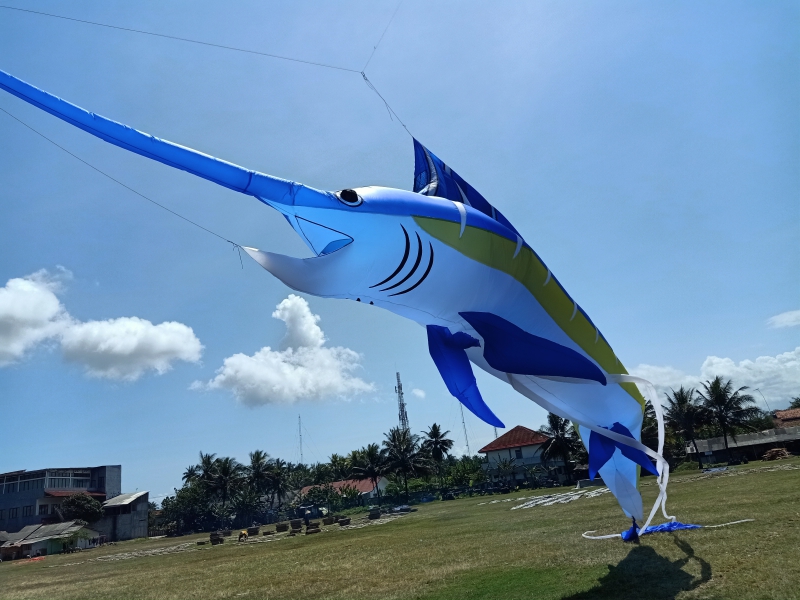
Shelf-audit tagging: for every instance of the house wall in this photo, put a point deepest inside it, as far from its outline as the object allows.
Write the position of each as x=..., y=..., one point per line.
x=530, y=456
x=131, y=523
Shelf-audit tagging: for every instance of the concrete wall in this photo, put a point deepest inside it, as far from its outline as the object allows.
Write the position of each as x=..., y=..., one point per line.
x=128, y=524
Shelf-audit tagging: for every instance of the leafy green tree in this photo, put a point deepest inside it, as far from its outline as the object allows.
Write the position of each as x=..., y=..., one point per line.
x=561, y=443
x=403, y=456
x=795, y=403
x=370, y=464
x=246, y=504
x=81, y=506
x=729, y=408
x=685, y=415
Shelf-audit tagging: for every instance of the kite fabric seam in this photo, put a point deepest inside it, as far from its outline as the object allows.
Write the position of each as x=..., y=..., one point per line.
x=127, y=187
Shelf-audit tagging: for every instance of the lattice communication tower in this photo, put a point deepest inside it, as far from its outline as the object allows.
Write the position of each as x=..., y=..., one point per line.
x=401, y=405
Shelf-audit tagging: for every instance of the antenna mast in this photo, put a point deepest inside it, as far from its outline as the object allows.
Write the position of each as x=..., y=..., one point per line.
x=401, y=405
x=464, y=425
x=300, y=431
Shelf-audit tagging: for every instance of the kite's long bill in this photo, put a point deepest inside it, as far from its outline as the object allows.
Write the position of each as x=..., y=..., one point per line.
x=262, y=186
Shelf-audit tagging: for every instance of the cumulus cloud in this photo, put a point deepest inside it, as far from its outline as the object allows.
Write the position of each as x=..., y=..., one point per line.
x=418, y=392
x=788, y=319
x=30, y=312
x=304, y=369
x=777, y=377
x=125, y=348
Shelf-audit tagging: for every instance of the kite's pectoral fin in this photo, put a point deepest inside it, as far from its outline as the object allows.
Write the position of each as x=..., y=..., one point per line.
x=447, y=352
x=309, y=275
x=510, y=349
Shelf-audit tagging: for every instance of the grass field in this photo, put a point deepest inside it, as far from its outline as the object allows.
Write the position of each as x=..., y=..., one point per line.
x=467, y=550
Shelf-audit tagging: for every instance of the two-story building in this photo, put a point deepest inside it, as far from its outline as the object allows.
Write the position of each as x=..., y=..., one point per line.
x=33, y=497
x=520, y=450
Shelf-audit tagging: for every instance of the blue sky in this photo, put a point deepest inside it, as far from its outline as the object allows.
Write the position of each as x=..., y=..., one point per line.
x=648, y=152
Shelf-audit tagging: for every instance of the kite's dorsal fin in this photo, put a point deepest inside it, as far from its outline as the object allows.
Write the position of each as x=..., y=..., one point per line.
x=510, y=349
x=447, y=352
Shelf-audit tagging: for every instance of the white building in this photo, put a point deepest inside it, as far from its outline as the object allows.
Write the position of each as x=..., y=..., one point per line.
x=523, y=448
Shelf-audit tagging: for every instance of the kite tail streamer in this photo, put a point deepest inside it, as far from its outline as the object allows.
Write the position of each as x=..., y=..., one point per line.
x=664, y=527
x=662, y=466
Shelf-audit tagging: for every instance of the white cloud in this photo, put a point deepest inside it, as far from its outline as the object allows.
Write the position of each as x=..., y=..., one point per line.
x=777, y=377
x=787, y=319
x=30, y=313
x=418, y=392
x=127, y=347
x=305, y=369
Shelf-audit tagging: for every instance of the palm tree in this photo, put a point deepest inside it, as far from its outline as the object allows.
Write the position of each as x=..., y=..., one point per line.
x=403, y=456
x=228, y=476
x=259, y=472
x=279, y=481
x=207, y=467
x=685, y=415
x=506, y=468
x=191, y=474
x=340, y=466
x=369, y=464
x=561, y=442
x=438, y=446
x=728, y=407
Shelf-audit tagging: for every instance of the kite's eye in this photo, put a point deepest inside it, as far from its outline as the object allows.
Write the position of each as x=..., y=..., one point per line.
x=350, y=197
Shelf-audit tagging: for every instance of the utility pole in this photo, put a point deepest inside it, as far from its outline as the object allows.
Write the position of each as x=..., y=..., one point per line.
x=495, y=433
x=300, y=431
x=464, y=425
x=401, y=405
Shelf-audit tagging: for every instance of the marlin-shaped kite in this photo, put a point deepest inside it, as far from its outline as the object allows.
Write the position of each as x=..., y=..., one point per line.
x=444, y=257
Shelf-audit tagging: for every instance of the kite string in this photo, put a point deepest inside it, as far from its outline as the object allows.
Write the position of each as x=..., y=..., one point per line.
x=127, y=187
x=375, y=47
x=182, y=39
x=362, y=72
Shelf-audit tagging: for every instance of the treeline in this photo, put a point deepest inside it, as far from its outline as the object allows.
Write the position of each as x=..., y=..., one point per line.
x=221, y=492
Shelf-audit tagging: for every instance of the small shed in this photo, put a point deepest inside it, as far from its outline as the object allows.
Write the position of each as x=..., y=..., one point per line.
x=41, y=540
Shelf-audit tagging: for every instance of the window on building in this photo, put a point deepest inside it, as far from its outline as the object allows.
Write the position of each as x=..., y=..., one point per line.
x=518, y=452
x=11, y=487
x=13, y=513
x=80, y=483
x=44, y=509
x=2, y=515
x=59, y=482
x=101, y=483
x=27, y=511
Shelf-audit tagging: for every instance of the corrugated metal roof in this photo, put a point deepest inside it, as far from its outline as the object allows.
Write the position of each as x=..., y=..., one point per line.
x=124, y=499
x=39, y=533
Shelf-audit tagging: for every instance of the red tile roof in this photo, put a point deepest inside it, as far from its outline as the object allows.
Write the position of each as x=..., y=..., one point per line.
x=364, y=486
x=516, y=437
x=788, y=415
